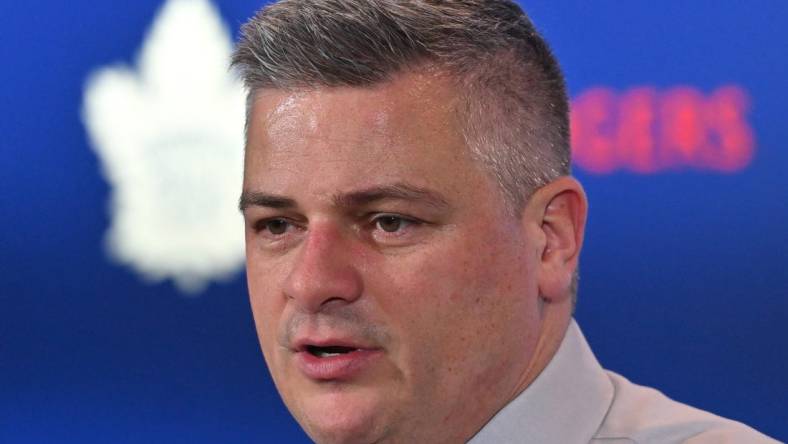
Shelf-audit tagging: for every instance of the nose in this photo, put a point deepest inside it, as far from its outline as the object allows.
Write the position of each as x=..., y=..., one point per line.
x=323, y=271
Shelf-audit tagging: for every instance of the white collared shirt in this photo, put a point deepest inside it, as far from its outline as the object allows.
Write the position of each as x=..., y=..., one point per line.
x=574, y=400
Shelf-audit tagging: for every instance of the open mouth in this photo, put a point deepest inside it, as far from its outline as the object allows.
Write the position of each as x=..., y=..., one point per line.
x=329, y=351
x=339, y=361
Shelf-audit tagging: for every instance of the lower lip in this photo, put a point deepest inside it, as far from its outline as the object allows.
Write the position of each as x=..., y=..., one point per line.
x=335, y=368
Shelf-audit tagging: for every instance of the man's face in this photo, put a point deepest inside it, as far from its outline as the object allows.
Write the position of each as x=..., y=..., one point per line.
x=395, y=299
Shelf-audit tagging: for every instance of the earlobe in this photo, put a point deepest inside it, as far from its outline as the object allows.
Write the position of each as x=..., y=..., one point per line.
x=563, y=208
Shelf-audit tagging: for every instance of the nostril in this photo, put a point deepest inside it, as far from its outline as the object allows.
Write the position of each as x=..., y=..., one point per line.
x=332, y=301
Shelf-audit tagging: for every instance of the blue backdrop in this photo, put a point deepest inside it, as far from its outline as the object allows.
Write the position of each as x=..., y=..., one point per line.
x=683, y=284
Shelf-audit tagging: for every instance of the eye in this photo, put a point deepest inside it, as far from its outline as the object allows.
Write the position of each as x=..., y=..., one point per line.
x=276, y=227
x=392, y=223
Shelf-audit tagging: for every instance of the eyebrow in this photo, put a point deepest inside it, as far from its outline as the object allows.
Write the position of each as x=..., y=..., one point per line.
x=257, y=199
x=397, y=191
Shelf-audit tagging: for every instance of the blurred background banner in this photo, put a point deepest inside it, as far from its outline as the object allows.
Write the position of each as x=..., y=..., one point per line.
x=123, y=308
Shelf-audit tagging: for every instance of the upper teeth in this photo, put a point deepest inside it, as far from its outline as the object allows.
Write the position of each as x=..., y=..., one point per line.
x=323, y=354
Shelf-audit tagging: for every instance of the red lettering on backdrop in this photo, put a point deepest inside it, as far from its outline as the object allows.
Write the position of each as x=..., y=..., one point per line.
x=590, y=125
x=682, y=129
x=732, y=144
x=635, y=130
x=646, y=131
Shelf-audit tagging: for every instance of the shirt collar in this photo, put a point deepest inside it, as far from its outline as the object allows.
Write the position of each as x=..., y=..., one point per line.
x=566, y=402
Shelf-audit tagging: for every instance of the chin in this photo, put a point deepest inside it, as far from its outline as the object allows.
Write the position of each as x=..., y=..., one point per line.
x=341, y=416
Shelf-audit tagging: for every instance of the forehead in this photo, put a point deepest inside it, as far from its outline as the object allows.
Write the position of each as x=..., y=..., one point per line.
x=404, y=129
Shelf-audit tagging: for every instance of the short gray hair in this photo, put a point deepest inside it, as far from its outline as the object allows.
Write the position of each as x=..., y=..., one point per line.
x=515, y=106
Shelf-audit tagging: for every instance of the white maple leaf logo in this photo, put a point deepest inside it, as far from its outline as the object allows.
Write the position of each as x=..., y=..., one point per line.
x=169, y=137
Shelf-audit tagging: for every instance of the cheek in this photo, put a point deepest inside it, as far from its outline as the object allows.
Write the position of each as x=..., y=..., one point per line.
x=457, y=296
x=265, y=299
x=460, y=314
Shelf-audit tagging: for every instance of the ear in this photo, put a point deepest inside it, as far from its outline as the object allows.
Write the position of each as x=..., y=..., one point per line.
x=557, y=212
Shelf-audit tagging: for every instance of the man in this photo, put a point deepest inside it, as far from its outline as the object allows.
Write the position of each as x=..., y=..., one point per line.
x=413, y=232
